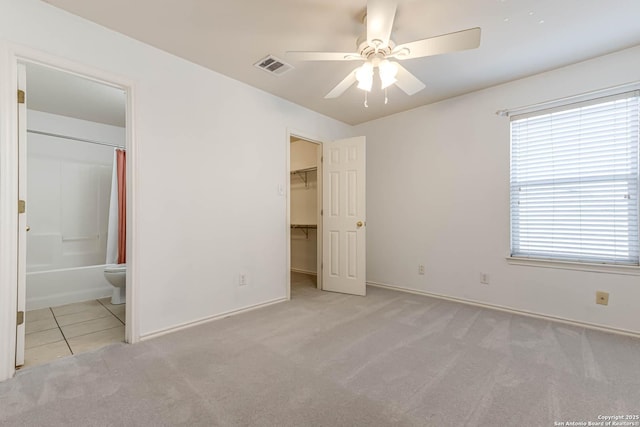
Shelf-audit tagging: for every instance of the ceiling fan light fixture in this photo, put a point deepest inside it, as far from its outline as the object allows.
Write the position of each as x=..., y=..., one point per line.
x=388, y=71
x=364, y=76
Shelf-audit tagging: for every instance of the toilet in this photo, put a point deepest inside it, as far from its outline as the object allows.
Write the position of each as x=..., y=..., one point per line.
x=116, y=274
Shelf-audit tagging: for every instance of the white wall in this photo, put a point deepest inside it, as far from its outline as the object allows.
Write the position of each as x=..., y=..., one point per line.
x=68, y=188
x=304, y=206
x=211, y=157
x=438, y=195
x=304, y=154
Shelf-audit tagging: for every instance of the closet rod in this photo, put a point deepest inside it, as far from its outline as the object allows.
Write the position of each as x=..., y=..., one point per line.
x=73, y=138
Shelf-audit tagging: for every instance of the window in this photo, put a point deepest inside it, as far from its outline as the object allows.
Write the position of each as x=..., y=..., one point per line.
x=574, y=182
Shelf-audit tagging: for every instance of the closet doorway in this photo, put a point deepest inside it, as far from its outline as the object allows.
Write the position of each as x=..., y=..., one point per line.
x=327, y=215
x=72, y=186
x=305, y=206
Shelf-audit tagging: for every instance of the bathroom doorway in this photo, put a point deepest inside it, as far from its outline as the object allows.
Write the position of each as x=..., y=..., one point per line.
x=72, y=157
x=305, y=205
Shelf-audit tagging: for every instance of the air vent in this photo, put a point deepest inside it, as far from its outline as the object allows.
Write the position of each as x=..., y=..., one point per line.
x=273, y=65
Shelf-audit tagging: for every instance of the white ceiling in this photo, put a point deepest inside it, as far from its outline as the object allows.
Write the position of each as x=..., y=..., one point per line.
x=57, y=92
x=519, y=38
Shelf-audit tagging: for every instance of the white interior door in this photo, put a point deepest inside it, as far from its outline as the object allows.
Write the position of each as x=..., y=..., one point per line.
x=22, y=215
x=344, y=216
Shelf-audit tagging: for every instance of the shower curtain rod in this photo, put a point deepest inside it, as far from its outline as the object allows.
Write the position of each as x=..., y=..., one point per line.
x=73, y=138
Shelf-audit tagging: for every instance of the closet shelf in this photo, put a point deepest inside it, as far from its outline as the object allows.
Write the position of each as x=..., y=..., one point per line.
x=302, y=173
x=305, y=228
x=314, y=168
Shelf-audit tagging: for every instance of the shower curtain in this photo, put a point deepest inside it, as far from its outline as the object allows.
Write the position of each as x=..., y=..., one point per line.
x=117, y=228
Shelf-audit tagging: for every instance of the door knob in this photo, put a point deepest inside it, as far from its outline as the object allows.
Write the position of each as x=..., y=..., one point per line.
x=359, y=224
x=28, y=228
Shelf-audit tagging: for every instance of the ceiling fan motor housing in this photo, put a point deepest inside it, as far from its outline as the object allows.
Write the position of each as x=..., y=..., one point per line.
x=370, y=52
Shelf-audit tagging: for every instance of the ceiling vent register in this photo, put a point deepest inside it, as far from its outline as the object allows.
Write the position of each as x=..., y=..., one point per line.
x=273, y=65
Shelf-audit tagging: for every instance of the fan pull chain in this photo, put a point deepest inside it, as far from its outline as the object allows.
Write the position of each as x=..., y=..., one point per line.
x=386, y=99
x=366, y=104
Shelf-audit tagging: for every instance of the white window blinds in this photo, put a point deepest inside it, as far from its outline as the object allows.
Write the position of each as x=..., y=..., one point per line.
x=574, y=182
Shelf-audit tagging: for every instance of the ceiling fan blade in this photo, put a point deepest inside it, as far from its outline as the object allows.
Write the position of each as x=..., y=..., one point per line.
x=342, y=86
x=323, y=56
x=452, y=42
x=380, y=16
x=407, y=81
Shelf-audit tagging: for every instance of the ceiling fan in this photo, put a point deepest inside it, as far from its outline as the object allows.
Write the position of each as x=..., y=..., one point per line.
x=376, y=49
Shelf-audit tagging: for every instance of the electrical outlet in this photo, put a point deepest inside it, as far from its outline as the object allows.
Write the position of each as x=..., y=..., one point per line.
x=421, y=269
x=602, y=298
x=484, y=278
x=243, y=279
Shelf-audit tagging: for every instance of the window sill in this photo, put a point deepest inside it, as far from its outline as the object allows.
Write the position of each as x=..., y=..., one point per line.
x=629, y=270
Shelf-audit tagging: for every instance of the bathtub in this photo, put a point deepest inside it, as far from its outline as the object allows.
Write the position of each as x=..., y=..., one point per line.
x=51, y=288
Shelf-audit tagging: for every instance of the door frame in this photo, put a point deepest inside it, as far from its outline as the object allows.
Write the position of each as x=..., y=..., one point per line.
x=9, y=189
x=303, y=135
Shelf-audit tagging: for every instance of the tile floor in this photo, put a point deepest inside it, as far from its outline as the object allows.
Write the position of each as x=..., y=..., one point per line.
x=61, y=331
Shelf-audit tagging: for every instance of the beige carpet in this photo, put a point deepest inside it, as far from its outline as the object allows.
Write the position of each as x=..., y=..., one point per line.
x=328, y=359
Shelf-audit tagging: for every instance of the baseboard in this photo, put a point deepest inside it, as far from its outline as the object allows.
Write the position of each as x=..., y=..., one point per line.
x=511, y=310
x=298, y=270
x=186, y=325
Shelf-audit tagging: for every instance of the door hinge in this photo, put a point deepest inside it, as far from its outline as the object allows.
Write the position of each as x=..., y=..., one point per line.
x=20, y=318
x=321, y=159
x=321, y=212
x=22, y=206
x=20, y=96
x=321, y=266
